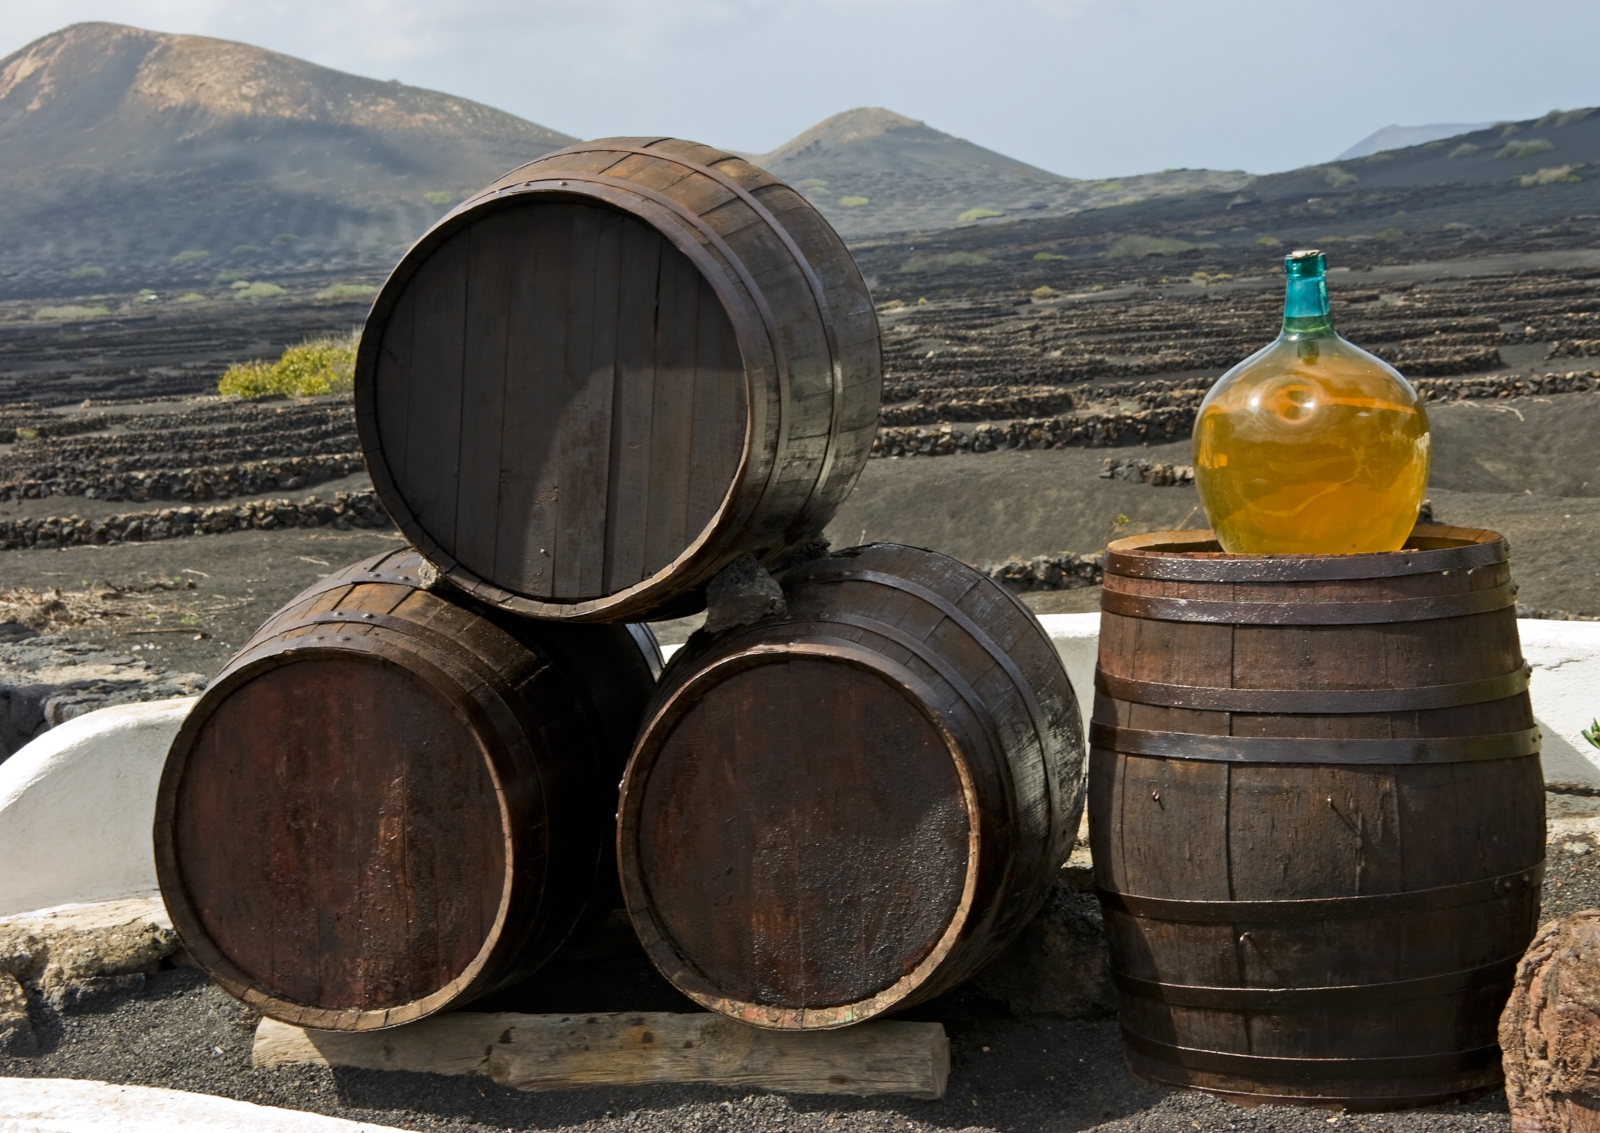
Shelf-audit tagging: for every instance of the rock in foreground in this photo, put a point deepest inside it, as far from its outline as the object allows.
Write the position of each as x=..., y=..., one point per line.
x=1550, y=1031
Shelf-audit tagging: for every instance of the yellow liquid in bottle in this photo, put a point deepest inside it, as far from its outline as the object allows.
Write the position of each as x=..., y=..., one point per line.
x=1311, y=446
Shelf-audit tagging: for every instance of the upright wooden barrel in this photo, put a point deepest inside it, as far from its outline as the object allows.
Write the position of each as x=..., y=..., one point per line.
x=852, y=808
x=390, y=802
x=1317, y=815
x=613, y=371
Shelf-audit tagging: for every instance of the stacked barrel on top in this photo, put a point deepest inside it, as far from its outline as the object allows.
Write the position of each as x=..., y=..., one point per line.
x=583, y=394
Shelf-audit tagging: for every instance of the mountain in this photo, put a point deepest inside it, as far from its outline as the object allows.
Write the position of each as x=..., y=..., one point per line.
x=150, y=157
x=872, y=171
x=1399, y=137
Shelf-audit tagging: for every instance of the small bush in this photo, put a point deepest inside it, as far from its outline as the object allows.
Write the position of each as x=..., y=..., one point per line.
x=256, y=290
x=224, y=278
x=1268, y=242
x=1389, y=235
x=1525, y=149
x=1136, y=246
x=89, y=271
x=1043, y=291
x=346, y=292
x=285, y=239
x=1048, y=256
x=1109, y=187
x=812, y=184
x=977, y=214
x=854, y=202
x=1465, y=149
x=438, y=197
x=1338, y=178
x=1550, y=176
x=894, y=304
x=191, y=297
x=315, y=367
x=245, y=250
x=936, y=262
x=70, y=312
x=190, y=255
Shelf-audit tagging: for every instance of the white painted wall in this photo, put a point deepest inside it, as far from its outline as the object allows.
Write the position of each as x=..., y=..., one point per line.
x=77, y=804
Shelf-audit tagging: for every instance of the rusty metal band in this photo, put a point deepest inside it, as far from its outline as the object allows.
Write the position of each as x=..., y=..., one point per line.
x=1259, y=1066
x=1180, y=567
x=1291, y=702
x=1343, y=998
x=1308, y=613
x=1294, y=749
x=1523, y=881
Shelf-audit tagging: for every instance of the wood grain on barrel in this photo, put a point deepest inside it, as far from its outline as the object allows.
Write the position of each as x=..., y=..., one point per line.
x=1198, y=985
x=851, y=809
x=392, y=801
x=657, y=358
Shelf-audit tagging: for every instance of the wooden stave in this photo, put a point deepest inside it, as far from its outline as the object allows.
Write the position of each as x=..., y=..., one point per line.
x=781, y=497
x=502, y=673
x=1505, y=920
x=1011, y=876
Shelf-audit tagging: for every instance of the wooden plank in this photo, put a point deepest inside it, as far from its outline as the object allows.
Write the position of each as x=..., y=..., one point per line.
x=563, y=1052
x=492, y=262
x=433, y=390
x=719, y=413
x=632, y=407
x=672, y=417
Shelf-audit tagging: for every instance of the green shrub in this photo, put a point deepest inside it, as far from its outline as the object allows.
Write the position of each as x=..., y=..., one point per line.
x=1550, y=176
x=346, y=292
x=1268, y=242
x=316, y=366
x=1338, y=178
x=1136, y=246
x=936, y=261
x=1525, y=149
x=70, y=312
x=1465, y=149
x=223, y=278
x=1048, y=256
x=1043, y=291
x=439, y=197
x=89, y=271
x=284, y=239
x=977, y=214
x=1592, y=733
x=1389, y=235
x=854, y=202
x=894, y=304
x=245, y=250
x=812, y=184
x=190, y=255
x=242, y=290
x=1109, y=187
x=191, y=297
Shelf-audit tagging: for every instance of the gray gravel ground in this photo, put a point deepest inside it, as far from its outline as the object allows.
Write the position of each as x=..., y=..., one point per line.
x=1008, y=1075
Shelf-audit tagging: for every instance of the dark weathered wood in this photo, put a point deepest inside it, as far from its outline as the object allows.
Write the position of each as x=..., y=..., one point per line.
x=852, y=808
x=1318, y=838
x=393, y=800
x=612, y=372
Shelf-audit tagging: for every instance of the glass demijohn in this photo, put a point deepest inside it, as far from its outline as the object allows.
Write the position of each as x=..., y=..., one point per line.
x=1311, y=445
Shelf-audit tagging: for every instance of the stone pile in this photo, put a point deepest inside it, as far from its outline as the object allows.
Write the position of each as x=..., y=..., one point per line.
x=1090, y=430
x=219, y=481
x=1065, y=571
x=1146, y=472
x=344, y=511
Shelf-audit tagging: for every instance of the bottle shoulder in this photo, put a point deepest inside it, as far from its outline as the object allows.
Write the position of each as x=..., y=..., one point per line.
x=1328, y=363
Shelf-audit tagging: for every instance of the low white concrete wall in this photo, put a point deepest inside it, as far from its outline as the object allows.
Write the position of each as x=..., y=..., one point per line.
x=77, y=805
x=66, y=1105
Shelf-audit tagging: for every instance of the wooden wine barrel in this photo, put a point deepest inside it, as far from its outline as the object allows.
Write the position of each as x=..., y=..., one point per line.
x=1317, y=815
x=390, y=802
x=852, y=808
x=612, y=372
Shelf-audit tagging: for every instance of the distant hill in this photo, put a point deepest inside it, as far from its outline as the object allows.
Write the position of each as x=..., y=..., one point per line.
x=873, y=171
x=154, y=157
x=1399, y=137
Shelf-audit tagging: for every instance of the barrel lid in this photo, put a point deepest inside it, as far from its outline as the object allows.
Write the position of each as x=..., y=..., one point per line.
x=1196, y=556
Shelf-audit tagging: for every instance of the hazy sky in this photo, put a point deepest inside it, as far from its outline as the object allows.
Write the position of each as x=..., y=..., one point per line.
x=1088, y=88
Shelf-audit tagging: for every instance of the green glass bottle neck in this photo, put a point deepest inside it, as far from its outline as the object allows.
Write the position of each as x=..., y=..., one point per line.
x=1305, y=307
